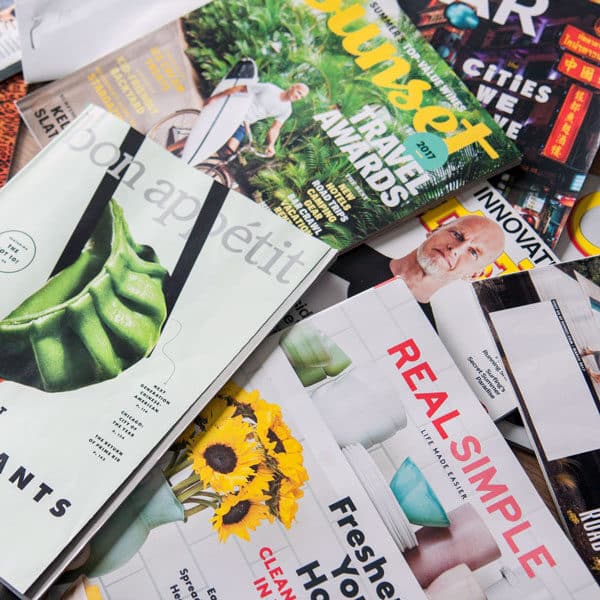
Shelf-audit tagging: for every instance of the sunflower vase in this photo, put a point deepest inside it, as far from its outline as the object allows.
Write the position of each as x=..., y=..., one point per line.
x=151, y=504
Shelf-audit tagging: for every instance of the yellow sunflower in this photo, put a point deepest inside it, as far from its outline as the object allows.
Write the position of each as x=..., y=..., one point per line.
x=222, y=456
x=277, y=439
x=259, y=483
x=249, y=402
x=187, y=433
x=287, y=502
x=217, y=411
x=291, y=466
x=240, y=513
x=273, y=433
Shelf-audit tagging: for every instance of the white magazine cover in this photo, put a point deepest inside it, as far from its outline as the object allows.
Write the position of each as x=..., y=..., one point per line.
x=133, y=286
x=475, y=236
x=49, y=31
x=347, y=458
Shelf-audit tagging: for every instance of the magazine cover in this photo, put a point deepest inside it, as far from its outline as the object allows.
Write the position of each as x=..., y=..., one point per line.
x=10, y=49
x=547, y=323
x=474, y=235
x=10, y=90
x=536, y=67
x=339, y=117
x=121, y=271
x=347, y=458
x=581, y=237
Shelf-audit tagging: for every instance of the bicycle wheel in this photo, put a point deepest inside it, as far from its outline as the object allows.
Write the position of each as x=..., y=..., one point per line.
x=217, y=171
x=172, y=130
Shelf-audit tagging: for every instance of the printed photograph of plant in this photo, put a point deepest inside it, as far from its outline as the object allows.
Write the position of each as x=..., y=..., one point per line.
x=246, y=466
x=93, y=319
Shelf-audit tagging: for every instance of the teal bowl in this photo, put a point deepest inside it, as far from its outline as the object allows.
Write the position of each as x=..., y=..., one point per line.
x=416, y=497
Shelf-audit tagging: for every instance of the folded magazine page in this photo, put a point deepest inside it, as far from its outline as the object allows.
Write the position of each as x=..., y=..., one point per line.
x=547, y=325
x=10, y=48
x=50, y=30
x=462, y=321
x=339, y=117
x=535, y=66
x=347, y=458
x=132, y=287
x=475, y=234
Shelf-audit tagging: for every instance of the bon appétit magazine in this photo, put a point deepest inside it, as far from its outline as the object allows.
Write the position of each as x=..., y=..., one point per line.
x=132, y=287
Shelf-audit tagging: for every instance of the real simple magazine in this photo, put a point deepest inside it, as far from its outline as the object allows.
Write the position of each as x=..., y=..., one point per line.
x=133, y=286
x=346, y=458
x=337, y=116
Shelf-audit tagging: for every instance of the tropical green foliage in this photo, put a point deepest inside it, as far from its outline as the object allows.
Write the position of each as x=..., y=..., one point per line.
x=291, y=43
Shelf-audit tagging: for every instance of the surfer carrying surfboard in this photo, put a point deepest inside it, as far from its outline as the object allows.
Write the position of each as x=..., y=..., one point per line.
x=268, y=101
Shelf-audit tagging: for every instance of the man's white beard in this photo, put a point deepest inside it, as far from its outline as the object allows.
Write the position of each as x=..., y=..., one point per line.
x=431, y=266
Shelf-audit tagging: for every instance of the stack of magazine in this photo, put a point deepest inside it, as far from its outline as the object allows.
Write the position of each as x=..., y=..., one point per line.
x=262, y=306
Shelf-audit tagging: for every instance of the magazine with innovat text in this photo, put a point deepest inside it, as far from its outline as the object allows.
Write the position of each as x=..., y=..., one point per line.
x=474, y=235
x=122, y=273
x=346, y=458
x=336, y=116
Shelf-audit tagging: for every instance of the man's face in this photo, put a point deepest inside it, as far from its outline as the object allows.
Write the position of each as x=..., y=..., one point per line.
x=297, y=91
x=461, y=249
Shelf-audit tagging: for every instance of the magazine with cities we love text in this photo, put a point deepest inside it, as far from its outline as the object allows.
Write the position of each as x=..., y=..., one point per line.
x=132, y=287
x=535, y=66
x=347, y=458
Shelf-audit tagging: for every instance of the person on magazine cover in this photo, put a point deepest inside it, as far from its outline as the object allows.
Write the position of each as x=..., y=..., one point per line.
x=268, y=102
x=7, y=11
x=460, y=249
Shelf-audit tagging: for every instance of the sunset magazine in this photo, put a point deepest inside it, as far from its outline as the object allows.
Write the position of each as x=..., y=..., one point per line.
x=132, y=287
x=347, y=458
x=337, y=116
x=535, y=66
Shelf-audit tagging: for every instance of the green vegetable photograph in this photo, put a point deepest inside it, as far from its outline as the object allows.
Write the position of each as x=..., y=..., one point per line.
x=93, y=319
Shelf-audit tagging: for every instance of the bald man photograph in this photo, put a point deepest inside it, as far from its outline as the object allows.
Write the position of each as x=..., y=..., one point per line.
x=460, y=249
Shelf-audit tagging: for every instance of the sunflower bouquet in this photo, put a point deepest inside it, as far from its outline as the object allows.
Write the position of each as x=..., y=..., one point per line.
x=246, y=466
